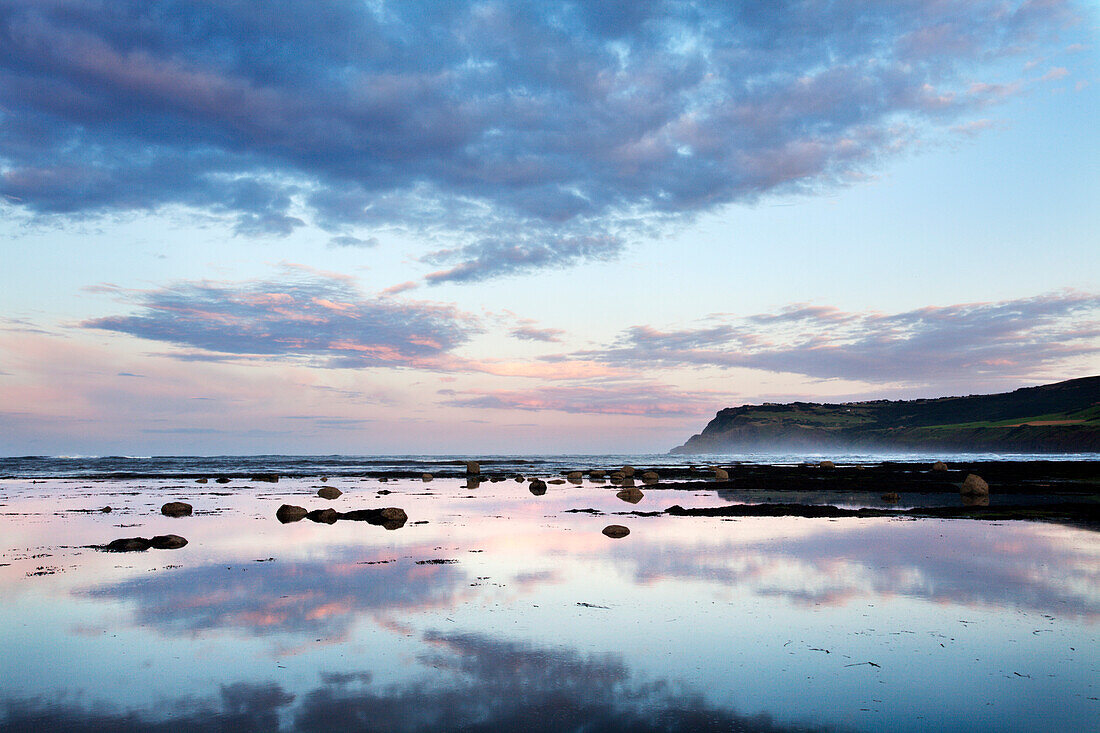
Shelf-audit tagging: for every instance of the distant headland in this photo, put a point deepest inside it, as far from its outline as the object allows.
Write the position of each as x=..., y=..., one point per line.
x=1054, y=418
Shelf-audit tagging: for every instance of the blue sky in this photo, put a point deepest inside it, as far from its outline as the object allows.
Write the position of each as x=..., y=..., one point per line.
x=501, y=227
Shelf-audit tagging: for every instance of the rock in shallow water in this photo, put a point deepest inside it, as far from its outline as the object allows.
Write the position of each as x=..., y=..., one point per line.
x=324, y=516
x=167, y=542
x=329, y=492
x=631, y=495
x=615, y=531
x=289, y=513
x=974, y=485
x=176, y=509
x=140, y=544
x=537, y=487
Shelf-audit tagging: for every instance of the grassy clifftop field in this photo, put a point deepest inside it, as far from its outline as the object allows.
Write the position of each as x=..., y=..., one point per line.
x=1056, y=418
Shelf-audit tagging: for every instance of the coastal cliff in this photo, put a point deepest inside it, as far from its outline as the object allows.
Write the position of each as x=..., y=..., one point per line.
x=1054, y=418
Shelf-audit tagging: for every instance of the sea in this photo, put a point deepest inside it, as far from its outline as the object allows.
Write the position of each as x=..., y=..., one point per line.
x=137, y=467
x=515, y=606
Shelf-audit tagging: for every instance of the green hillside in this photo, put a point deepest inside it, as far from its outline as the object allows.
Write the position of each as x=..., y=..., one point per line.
x=1062, y=417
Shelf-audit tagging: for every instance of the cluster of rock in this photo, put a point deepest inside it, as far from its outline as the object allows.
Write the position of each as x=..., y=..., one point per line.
x=388, y=518
x=141, y=544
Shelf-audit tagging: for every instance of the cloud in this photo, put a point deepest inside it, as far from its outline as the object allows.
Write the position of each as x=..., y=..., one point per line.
x=530, y=134
x=1011, y=339
x=643, y=399
x=528, y=331
x=306, y=315
x=345, y=240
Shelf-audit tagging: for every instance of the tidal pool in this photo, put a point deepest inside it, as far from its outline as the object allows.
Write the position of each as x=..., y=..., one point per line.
x=493, y=609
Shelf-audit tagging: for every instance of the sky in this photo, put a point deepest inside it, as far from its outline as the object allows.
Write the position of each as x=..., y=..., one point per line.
x=362, y=226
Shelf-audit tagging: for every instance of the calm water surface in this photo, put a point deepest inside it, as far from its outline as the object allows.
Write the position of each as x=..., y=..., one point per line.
x=530, y=618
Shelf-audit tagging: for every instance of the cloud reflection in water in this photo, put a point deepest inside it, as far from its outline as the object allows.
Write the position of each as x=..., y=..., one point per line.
x=1040, y=567
x=301, y=597
x=493, y=685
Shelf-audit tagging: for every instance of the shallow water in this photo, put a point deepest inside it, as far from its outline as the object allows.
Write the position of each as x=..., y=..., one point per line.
x=534, y=619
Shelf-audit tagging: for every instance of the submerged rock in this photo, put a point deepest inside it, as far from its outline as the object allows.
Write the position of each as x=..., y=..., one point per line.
x=329, y=492
x=721, y=474
x=650, y=477
x=537, y=487
x=176, y=509
x=631, y=495
x=596, y=475
x=271, y=478
x=472, y=482
x=893, y=497
x=222, y=479
x=289, y=513
x=974, y=485
x=615, y=531
x=556, y=481
x=200, y=481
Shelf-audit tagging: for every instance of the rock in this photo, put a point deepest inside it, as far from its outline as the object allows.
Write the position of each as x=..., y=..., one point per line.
x=974, y=485
x=384, y=479
x=222, y=479
x=556, y=481
x=106, y=510
x=893, y=497
x=631, y=495
x=176, y=509
x=323, y=516
x=537, y=487
x=574, y=475
x=496, y=479
x=827, y=464
x=519, y=478
x=628, y=470
x=615, y=531
x=200, y=481
x=383, y=492
x=271, y=478
x=388, y=518
x=472, y=482
x=628, y=481
x=596, y=475
x=140, y=544
x=721, y=474
x=426, y=477
x=329, y=492
x=393, y=514
x=473, y=468
x=650, y=477
x=167, y=542
x=289, y=513
x=616, y=477
x=974, y=500
x=324, y=479
x=129, y=544
x=939, y=466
